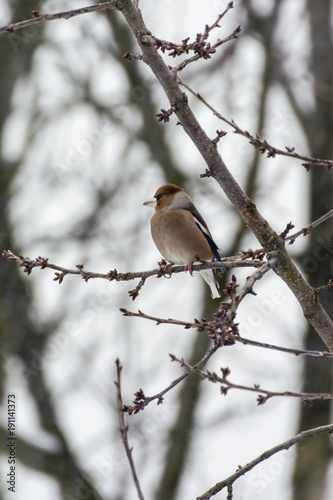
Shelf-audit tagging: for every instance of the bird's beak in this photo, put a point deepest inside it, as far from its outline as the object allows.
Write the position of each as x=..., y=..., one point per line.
x=151, y=203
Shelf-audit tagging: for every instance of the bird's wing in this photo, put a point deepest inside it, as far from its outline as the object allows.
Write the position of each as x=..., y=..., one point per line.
x=204, y=229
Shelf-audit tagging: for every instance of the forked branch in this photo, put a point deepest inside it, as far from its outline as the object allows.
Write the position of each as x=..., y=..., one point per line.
x=306, y=295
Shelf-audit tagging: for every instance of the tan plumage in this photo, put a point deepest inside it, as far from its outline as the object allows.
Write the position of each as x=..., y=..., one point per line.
x=180, y=233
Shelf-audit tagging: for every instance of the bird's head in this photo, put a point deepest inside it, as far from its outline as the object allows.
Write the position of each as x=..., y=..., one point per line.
x=166, y=195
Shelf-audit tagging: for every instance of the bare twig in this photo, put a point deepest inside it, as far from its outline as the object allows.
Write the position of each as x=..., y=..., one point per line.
x=325, y=288
x=222, y=326
x=202, y=324
x=124, y=430
x=257, y=142
x=141, y=401
x=244, y=259
x=186, y=324
x=257, y=275
x=201, y=47
x=226, y=483
x=287, y=350
x=219, y=330
x=208, y=29
x=211, y=50
x=306, y=230
x=264, y=394
x=41, y=18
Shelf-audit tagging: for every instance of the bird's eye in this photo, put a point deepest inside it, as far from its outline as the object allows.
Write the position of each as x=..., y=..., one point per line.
x=159, y=196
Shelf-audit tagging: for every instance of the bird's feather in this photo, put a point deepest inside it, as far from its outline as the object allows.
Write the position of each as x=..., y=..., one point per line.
x=180, y=232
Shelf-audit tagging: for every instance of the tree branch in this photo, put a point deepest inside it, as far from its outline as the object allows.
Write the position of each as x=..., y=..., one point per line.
x=264, y=394
x=201, y=326
x=244, y=259
x=201, y=47
x=124, y=430
x=257, y=142
x=223, y=323
x=227, y=483
x=41, y=18
x=141, y=401
x=304, y=293
x=306, y=230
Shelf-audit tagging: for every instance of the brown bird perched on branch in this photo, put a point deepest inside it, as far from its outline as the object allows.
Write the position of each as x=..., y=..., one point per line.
x=181, y=234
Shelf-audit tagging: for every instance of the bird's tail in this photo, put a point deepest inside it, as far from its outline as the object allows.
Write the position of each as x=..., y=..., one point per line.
x=209, y=276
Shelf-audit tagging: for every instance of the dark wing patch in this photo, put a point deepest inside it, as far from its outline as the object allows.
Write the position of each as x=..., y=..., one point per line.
x=204, y=229
x=211, y=242
x=191, y=208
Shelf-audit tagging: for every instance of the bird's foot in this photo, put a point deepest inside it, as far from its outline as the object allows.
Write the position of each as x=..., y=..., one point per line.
x=164, y=265
x=189, y=268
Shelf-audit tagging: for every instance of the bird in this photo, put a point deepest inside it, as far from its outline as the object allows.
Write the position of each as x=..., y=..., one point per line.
x=180, y=233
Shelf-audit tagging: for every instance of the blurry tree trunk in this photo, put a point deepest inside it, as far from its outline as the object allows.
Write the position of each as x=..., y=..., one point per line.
x=15, y=56
x=152, y=133
x=21, y=337
x=313, y=458
x=181, y=432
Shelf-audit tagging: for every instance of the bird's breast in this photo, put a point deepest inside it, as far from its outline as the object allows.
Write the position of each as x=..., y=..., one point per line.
x=178, y=238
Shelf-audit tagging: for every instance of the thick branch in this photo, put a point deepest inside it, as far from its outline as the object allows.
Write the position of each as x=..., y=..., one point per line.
x=305, y=294
x=227, y=483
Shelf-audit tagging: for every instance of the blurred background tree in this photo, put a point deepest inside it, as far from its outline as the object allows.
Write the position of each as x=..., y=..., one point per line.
x=81, y=149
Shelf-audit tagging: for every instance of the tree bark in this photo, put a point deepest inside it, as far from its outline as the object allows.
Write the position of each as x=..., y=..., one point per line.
x=305, y=294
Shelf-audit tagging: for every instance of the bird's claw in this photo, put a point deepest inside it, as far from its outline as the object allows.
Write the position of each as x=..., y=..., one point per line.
x=164, y=267
x=189, y=268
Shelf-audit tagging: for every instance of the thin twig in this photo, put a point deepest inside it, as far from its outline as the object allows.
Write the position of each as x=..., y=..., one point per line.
x=212, y=50
x=257, y=275
x=201, y=325
x=306, y=230
x=288, y=350
x=325, y=288
x=264, y=394
x=226, y=483
x=219, y=330
x=141, y=401
x=124, y=430
x=201, y=47
x=223, y=325
x=261, y=144
x=41, y=18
